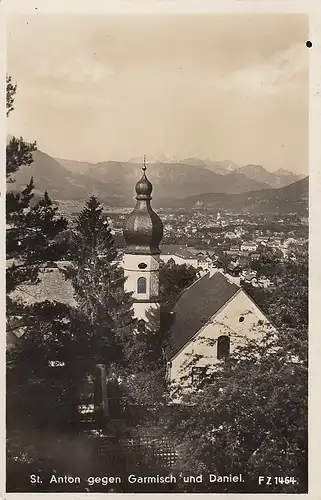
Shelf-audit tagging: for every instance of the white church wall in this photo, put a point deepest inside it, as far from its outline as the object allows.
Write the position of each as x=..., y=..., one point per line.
x=133, y=273
x=226, y=322
x=148, y=307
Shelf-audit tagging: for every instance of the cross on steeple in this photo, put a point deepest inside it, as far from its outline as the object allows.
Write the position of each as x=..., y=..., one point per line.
x=144, y=166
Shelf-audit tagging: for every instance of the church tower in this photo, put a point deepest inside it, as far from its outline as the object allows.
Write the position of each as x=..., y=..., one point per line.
x=143, y=232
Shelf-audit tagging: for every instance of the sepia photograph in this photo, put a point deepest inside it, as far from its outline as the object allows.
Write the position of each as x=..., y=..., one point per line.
x=157, y=236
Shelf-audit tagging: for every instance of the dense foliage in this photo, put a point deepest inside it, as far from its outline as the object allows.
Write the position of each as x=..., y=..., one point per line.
x=173, y=279
x=98, y=282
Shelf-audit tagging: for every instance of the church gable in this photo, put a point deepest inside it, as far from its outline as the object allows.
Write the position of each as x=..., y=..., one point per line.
x=238, y=319
x=196, y=306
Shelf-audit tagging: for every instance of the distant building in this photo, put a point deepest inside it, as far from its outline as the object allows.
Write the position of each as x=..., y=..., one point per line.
x=234, y=269
x=230, y=235
x=276, y=242
x=262, y=240
x=248, y=275
x=234, y=248
x=180, y=255
x=239, y=231
x=249, y=246
x=255, y=256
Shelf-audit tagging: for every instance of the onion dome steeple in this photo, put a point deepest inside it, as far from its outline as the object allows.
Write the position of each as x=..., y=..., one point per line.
x=143, y=229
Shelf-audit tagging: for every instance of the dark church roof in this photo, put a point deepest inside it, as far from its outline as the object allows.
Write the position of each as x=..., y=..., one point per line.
x=196, y=306
x=143, y=229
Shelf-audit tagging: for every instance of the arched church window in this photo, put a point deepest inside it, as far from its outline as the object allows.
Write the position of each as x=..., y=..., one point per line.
x=142, y=265
x=223, y=347
x=141, y=285
x=141, y=326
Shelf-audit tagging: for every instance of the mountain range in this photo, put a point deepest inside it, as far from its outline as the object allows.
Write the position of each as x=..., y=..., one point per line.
x=255, y=173
x=276, y=179
x=176, y=183
x=176, y=180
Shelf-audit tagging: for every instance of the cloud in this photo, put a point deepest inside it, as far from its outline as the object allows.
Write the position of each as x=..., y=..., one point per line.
x=54, y=97
x=122, y=85
x=79, y=69
x=281, y=72
x=55, y=51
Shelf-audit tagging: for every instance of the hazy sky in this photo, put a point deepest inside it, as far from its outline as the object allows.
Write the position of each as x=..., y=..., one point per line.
x=217, y=86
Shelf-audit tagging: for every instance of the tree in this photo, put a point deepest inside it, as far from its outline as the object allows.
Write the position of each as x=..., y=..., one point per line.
x=286, y=303
x=41, y=367
x=31, y=229
x=18, y=152
x=30, y=236
x=270, y=263
x=250, y=419
x=145, y=378
x=224, y=260
x=98, y=281
x=174, y=279
x=10, y=93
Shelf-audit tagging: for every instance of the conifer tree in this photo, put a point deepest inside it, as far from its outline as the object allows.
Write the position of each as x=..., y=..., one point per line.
x=98, y=282
x=10, y=93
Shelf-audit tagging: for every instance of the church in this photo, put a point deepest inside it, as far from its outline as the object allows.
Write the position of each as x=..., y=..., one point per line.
x=211, y=317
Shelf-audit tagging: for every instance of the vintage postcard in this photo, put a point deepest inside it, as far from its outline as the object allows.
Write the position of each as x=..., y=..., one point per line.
x=158, y=162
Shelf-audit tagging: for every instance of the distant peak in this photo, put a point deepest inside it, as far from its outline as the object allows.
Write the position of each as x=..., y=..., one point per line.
x=283, y=171
x=253, y=167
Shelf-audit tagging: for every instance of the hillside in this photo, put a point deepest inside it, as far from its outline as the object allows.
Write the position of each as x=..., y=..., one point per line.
x=60, y=183
x=288, y=199
x=78, y=167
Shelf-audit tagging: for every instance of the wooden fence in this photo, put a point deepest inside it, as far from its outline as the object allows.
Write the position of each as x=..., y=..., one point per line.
x=145, y=447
